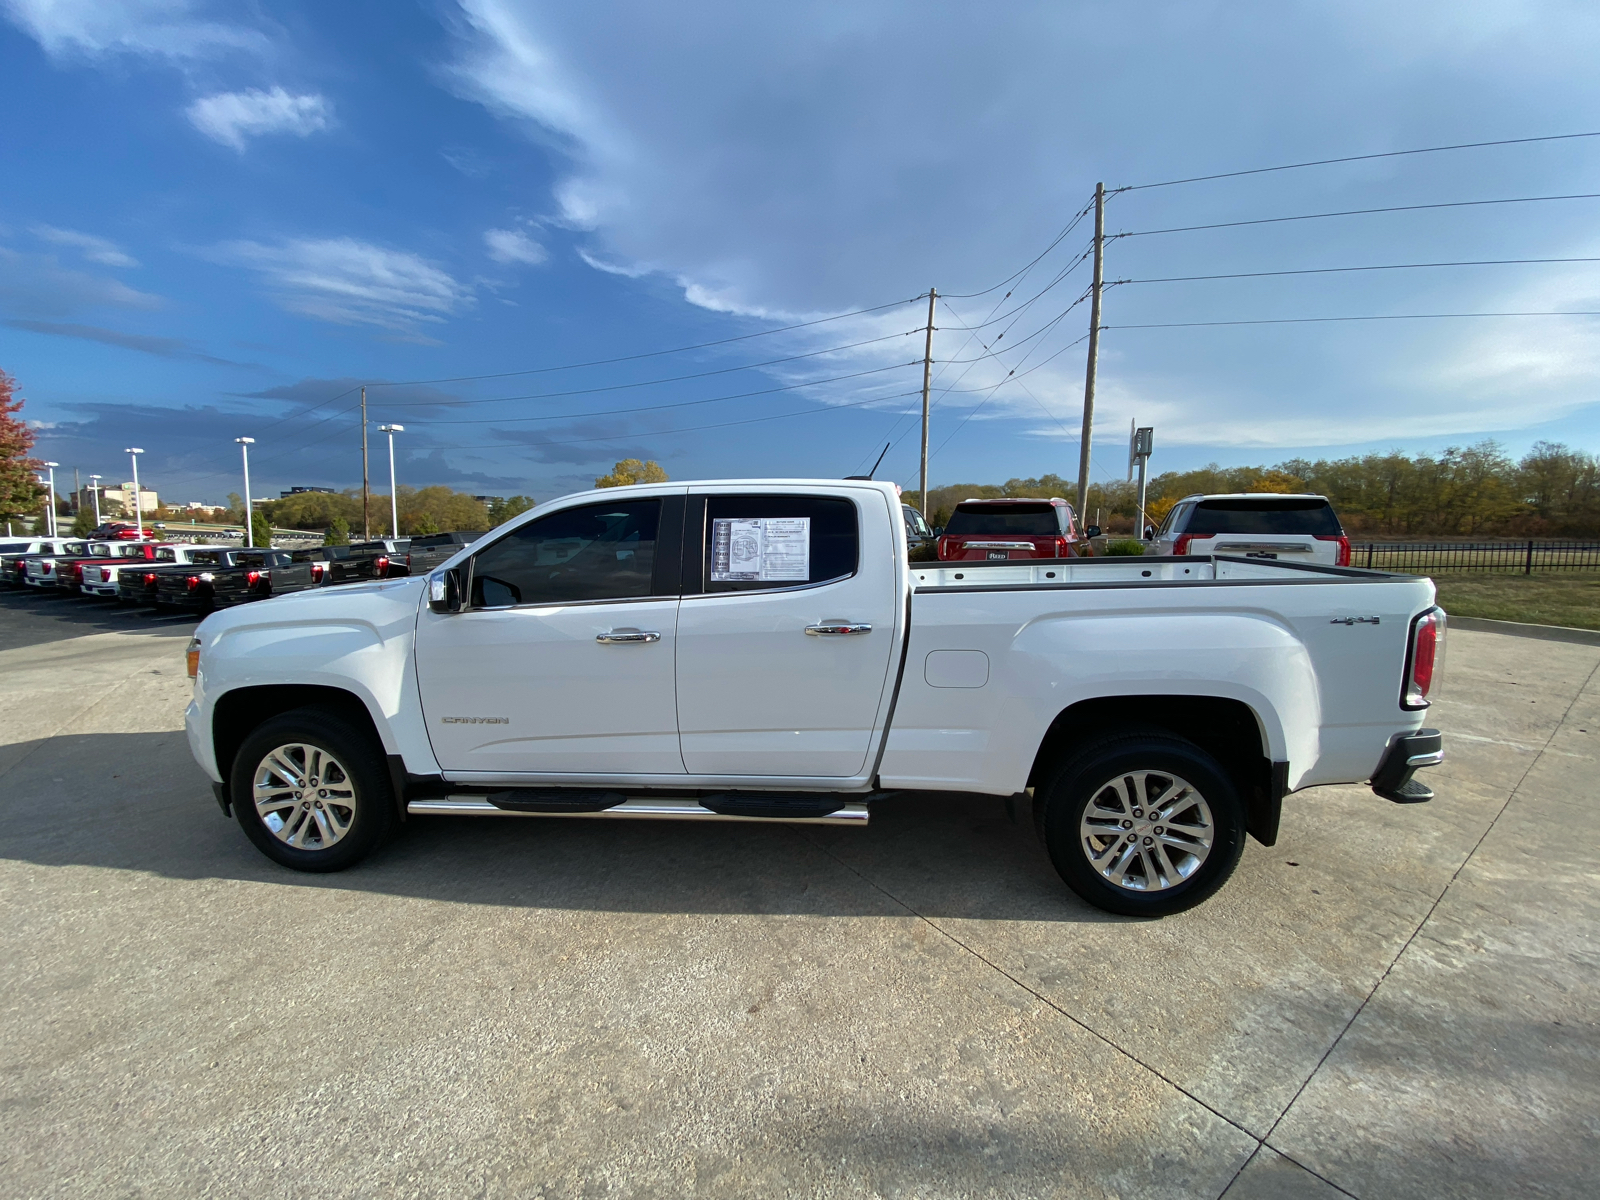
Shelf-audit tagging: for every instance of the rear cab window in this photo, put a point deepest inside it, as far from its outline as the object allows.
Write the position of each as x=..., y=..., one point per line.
x=1025, y=520
x=1264, y=515
x=766, y=542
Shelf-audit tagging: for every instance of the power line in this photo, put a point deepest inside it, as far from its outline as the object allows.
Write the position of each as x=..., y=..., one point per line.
x=618, y=387
x=687, y=429
x=1324, y=162
x=1320, y=320
x=676, y=404
x=1485, y=262
x=1056, y=241
x=601, y=362
x=1358, y=212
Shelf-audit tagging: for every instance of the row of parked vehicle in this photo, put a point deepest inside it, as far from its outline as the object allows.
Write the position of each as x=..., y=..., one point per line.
x=115, y=563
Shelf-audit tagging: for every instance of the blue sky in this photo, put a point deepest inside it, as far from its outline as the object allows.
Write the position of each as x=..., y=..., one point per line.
x=219, y=219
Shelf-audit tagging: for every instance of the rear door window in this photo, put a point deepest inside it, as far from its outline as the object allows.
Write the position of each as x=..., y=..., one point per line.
x=759, y=543
x=1027, y=520
x=596, y=552
x=1264, y=515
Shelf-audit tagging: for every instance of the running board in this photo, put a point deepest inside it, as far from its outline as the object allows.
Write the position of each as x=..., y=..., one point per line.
x=643, y=809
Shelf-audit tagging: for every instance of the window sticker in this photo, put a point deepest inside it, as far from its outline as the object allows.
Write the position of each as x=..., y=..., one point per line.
x=768, y=549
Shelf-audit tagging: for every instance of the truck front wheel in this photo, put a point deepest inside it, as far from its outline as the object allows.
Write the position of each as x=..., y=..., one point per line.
x=1143, y=824
x=310, y=790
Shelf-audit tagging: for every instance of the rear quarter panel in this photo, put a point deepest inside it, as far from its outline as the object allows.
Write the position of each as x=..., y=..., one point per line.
x=1326, y=696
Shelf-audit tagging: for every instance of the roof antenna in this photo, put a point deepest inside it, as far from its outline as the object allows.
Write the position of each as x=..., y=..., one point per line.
x=875, y=465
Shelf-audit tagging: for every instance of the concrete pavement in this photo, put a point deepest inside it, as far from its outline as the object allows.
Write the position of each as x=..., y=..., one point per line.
x=1392, y=1002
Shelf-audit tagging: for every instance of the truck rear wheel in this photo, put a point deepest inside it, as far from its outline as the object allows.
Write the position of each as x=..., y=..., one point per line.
x=310, y=790
x=1144, y=824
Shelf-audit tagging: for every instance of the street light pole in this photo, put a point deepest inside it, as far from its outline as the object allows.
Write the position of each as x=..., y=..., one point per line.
x=94, y=492
x=249, y=520
x=394, y=500
x=51, y=485
x=133, y=452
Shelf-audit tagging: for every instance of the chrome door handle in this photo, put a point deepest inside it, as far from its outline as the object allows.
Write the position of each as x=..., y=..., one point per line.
x=628, y=635
x=838, y=628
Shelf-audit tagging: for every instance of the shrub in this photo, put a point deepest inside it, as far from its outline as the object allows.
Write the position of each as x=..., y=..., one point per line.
x=1125, y=547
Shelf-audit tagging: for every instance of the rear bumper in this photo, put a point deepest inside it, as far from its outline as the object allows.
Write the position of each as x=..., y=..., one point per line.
x=1406, y=754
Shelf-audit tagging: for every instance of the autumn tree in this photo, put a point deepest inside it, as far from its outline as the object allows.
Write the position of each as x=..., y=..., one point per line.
x=631, y=470
x=19, y=482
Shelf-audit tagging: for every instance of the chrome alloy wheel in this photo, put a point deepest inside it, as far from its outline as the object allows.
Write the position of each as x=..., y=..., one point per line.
x=1147, y=831
x=304, y=796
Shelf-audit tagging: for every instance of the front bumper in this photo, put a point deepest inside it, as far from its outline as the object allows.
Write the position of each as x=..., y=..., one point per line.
x=1392, y=780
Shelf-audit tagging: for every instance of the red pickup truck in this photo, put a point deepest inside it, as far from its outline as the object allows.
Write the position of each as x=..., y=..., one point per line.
x=996, y=530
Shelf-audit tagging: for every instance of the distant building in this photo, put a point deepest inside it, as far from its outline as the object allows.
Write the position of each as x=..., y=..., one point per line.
x=115, y=501
x=296, y=491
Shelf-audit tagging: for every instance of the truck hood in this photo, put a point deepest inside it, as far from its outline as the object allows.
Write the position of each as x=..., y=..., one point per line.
x=345, y=602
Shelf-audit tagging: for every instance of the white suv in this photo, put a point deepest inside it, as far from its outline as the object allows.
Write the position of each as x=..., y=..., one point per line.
x=1255, y=525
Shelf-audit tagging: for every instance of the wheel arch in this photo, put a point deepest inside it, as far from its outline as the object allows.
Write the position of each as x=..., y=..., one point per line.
x=241, y=710
x=1229, y=730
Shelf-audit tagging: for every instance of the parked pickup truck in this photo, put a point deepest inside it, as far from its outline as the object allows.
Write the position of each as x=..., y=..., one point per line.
x=12, y=552
x=195, y=586
x=762, y=651
x=1302, y=529
x=429, y=550
x=139, y=586
x=280, y=574
x=71, y=573
x=39, y=570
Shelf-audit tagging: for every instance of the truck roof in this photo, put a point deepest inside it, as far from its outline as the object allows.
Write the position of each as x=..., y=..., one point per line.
x=1253, y=496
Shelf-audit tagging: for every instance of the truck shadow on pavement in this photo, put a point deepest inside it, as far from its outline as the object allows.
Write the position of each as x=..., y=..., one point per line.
x=137, y=802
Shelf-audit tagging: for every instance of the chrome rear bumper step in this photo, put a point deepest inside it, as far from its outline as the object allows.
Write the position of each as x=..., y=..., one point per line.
x=640, y=809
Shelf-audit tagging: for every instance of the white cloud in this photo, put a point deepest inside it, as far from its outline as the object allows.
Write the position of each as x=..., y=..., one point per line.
x=172, y=29
x=95, y=249
x=38, y=286
x=513, y=246
x=350, y=282
x=231, y=117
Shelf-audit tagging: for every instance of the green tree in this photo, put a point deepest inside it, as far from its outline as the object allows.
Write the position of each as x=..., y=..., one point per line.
x=260, y=529
x=423, y=524
x=83, y=523
x=338, y=533
x=503, y=508
x=19, y=485
x=631, y=470
x=441, y=509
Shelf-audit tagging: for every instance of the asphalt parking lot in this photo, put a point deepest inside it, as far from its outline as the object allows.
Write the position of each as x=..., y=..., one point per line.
x=1392, y=1002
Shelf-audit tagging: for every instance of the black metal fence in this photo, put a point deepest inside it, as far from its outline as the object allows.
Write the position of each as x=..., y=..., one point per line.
x=1500, y=558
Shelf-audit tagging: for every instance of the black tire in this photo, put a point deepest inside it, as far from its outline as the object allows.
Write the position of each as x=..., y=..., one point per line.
x=362, y=780
x=1140, y=883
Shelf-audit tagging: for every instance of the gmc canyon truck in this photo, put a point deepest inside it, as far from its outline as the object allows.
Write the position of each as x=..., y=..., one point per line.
x=763, y=651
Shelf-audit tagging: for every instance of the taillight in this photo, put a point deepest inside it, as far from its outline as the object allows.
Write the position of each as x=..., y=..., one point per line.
x=1343, y=557
x=408, y=561
x=191, y=582
x=1062, y=546
x=252, y=578
x=77, y=572
x=1180, y=544
x=316, y=572
x=381, y=564
x=149, y=579
x=1424, y=658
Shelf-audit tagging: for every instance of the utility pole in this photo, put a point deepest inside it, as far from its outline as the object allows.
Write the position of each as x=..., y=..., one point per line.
x=927, y=379
x=366, y=520
x=1094, y=343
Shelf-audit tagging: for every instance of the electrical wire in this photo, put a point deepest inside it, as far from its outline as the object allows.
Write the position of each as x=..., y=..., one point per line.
x=1321, y=320
x=1357, y=212
x=1324, y=162
x=1485, y=262
x=1056, y=241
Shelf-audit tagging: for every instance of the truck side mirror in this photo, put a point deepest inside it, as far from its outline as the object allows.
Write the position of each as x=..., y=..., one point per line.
x=444, y=591
x=1092, y=531
x=938, y=531
x=1149, y=532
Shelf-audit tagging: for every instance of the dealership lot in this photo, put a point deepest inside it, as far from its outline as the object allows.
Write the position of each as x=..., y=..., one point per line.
x=1392, y=1002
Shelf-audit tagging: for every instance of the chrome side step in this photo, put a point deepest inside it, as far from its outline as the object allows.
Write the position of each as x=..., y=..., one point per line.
x=640, y=809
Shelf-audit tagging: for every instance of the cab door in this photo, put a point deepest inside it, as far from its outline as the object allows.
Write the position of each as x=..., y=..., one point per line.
x=562, y=662
x=786, y=631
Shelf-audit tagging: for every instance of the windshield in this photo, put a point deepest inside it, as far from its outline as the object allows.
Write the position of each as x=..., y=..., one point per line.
x=1264, y=515
x=1029, y=520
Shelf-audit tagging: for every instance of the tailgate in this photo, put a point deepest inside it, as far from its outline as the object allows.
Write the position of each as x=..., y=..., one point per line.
x=1290, y=547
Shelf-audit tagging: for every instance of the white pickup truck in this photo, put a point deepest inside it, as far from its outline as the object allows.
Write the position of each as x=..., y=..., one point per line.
x=762, y=650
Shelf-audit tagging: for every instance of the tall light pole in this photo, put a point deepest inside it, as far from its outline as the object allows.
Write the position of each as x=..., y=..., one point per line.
x=394, y=502
x=133, y=452
x=94, y=491
x=51, y=484
x=249, y=520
